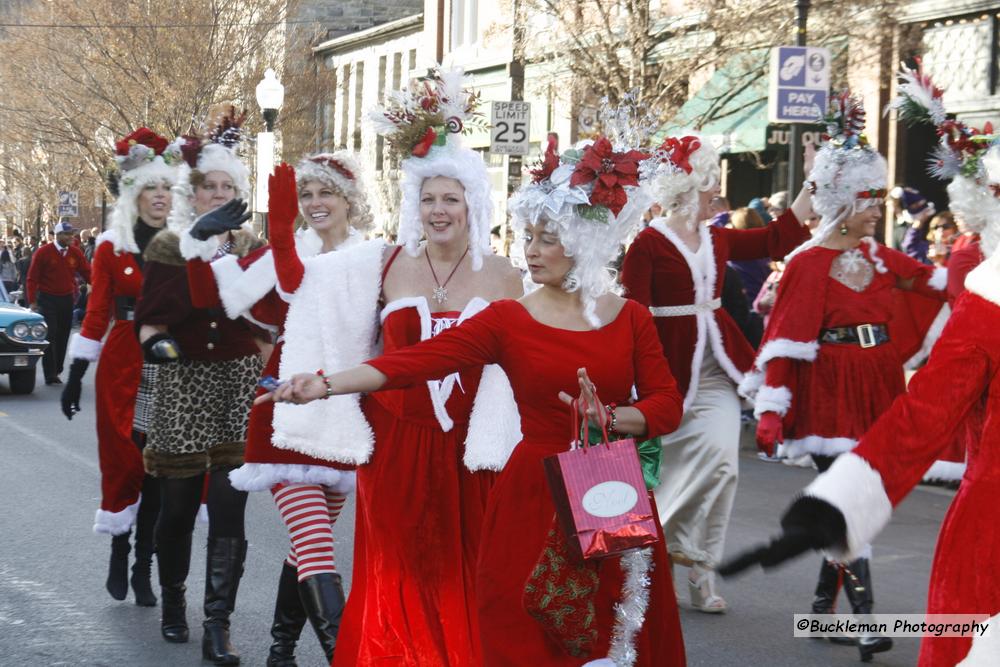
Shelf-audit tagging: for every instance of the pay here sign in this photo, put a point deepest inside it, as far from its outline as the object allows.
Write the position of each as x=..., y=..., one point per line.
x=799, y=84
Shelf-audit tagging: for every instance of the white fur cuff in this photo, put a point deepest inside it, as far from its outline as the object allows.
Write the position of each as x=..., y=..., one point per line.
x=116, y=523
x=84, y=348
x=939, y=279
x=192, y=248
x=772, y=399
x=818, y=444
x=985, y=648
x=856, y=489
x=984, y=280
x=789, y=349
x=263, y=476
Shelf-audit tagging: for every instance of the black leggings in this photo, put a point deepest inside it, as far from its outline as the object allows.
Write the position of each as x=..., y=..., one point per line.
x=181, y=498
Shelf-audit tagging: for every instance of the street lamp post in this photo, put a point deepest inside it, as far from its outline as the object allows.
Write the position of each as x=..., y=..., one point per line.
x=270, y=96
x=795, y=166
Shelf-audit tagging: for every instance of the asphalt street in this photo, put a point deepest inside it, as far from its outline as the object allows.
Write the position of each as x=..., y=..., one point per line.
x=54, y=609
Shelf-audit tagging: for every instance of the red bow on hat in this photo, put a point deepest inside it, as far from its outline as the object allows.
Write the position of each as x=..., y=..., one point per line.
x=679, y=151
x=144, y=136
x=609, y=171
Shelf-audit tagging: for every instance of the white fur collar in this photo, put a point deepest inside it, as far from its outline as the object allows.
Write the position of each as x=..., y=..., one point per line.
x=984, y=280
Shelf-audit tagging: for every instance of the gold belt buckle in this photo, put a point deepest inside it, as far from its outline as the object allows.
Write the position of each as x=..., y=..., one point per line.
x=866, y=335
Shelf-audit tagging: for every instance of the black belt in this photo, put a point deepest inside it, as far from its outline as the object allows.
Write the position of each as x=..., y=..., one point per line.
x=124, y=308
x=865, y=335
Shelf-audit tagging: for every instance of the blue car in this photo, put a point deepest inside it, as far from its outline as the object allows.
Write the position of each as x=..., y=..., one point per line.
x=22, y=343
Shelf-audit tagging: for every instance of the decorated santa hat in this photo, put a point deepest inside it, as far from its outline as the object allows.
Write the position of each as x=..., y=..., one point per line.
x=423, y=124
x=216, y=151
x=592, y=198
x=960, y=153
x=341, y=172
x=679, y=168
x=848, y=175
x=143, y=158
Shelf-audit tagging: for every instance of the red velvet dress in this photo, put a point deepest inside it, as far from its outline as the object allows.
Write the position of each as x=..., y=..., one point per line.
x=417, y=527
x=837, y=390
x=541, y=361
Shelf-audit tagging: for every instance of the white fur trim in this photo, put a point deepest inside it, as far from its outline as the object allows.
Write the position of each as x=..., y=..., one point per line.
x=986, y=648
x=818, y=444
x=202, y=513
x=108, y=236
x=939, y=279
x=874, y=256
x=495, y=423
x=332, y=329
x=775, y=349
x=240, y=289
x=192, y=248
x=84, y=348
x=856, y=489
x=984, y=280
x=116, y=523
x=772, y=399
x=933, y=333
x=216, y=157
x=601, y=662
x=945, y=471
x=263, y=476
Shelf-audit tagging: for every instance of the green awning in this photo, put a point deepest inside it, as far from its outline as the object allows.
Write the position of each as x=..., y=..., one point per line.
x=731, y=108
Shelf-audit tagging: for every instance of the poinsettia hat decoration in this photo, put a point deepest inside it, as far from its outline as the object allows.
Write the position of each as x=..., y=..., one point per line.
x=423, y=124
x=962, y=150
x=143, y=158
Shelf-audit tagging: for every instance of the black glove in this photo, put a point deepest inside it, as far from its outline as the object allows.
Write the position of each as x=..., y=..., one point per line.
x=809, y=524
x=71, y=392
x=161, y=349
x=226, y=218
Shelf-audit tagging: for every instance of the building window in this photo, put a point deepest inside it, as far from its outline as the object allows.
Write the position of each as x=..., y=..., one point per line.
x=359, y=87
x=413, y=61
x=464, y=22
x=345, y=99
x=379, y=139
x=958, y=55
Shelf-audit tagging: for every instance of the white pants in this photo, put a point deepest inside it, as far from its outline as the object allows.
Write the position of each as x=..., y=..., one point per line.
x=700, y=469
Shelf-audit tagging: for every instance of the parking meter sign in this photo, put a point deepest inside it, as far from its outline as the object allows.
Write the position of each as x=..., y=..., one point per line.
x=510, y=123
x=799, y=88
x=69, y=204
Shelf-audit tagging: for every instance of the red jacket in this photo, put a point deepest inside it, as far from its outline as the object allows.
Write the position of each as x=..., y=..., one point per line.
x=53, y=273
x=659, y=270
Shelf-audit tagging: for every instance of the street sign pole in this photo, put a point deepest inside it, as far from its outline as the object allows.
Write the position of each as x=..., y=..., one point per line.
x=795, y=176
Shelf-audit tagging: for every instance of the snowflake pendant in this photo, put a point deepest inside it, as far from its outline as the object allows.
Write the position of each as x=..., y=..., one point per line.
x=440, y=295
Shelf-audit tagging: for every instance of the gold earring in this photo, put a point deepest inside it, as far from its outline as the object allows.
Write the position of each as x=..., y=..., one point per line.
x=843, y=230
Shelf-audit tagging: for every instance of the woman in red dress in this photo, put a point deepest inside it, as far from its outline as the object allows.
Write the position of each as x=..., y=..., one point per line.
x=570, y=336
x=148, y=168
x=308, y=490
x=827, y=369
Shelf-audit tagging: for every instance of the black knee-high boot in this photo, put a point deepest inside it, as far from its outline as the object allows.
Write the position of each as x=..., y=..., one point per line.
x=117, y=582
x=323, y=598
x=289, y=619
x=223, y=569
x=145, y=540
x=173, y=561
x=827, y=588
x=862, y=599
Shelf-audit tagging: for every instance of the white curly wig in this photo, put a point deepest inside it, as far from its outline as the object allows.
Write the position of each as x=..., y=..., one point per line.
x=990, y=233
x=467, y=167
x=131, y=183
x=676, y=189
x=340, y=171
x=216, y=157
x=592, y=244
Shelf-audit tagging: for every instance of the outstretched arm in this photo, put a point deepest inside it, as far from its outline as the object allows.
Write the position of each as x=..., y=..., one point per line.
x=283, y=205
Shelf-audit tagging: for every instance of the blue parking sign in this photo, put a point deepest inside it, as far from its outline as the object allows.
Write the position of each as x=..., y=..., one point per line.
x=799, y=84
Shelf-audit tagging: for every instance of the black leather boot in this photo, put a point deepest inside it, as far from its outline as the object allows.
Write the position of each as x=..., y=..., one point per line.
x=223, y=569
x=145, y=524
x=289, y=618
x=173, y=560
x=117, y=582
x=862, y=599
x=827, y=587
x=323, y=598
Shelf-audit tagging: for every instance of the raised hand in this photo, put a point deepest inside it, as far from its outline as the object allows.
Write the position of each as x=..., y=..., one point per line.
x=228, y=217
x=283, y=206
x=590, y=404
x=769, y=433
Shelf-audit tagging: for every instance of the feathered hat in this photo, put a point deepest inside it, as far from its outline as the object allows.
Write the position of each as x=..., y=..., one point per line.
x=143, y=158
x=848, y=175
x=341, y=172
x=678, y=169
x=592, y=198
x=960, y=153
x=423, y=124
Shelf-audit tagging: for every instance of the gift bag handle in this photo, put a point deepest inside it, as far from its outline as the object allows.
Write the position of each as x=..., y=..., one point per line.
x=581, y=434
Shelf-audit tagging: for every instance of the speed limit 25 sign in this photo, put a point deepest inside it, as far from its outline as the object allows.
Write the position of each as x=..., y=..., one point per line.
x=510, y=126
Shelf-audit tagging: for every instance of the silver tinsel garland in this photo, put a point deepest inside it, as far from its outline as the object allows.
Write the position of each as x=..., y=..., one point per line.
x=630, y=613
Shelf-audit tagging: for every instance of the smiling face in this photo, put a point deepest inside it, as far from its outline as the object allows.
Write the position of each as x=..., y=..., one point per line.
x=705, y=198
x=444, y=214
x=212, y=190
x=323, y=207
x=545, y=255
x=154, y=203
x=863, y=223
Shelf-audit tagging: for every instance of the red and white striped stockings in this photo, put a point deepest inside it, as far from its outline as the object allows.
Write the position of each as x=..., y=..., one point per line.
x=309, y=512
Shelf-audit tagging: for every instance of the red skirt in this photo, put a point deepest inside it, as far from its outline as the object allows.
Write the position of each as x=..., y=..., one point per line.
x=419, y=513
x=518, y=517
